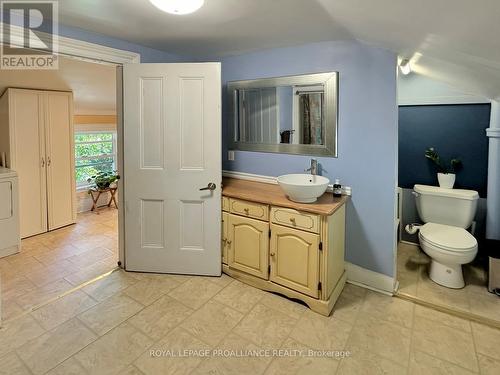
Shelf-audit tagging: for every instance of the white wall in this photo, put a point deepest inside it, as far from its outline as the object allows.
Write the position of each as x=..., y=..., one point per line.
x=415, y=89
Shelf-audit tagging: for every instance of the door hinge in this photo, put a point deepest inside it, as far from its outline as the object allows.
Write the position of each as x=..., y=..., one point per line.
x=319, y=286
x=321, y=245
x=269, y=233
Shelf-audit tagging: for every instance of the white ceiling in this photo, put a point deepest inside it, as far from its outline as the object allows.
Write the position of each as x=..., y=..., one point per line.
x=454, y=41
x=93, y=85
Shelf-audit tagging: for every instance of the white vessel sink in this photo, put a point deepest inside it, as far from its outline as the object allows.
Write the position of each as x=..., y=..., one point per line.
x=303, y=188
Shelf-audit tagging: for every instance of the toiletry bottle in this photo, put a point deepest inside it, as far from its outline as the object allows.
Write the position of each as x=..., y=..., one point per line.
x=337, y=188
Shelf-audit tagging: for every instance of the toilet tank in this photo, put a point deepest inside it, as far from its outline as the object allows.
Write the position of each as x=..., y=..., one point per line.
x=456, y=207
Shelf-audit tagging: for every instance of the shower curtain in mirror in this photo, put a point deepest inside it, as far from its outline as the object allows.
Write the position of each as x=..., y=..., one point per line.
x=312, y=118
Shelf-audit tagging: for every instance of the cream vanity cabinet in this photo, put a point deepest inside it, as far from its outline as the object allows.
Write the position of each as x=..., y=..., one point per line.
x=296, y=250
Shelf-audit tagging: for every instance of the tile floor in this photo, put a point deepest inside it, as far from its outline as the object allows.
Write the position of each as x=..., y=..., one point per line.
x=53, y=263
x=132, y=323
x=414, y=280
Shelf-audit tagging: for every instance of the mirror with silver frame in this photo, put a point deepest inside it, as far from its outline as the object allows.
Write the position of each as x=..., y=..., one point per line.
x=291, y=114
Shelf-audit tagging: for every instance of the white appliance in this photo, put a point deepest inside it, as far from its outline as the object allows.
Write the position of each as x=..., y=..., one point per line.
x=36, y=134
x=447, y=214
x=10, y=241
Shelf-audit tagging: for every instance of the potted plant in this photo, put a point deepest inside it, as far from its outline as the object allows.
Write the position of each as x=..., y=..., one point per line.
x=446, y=171
x=103, y=180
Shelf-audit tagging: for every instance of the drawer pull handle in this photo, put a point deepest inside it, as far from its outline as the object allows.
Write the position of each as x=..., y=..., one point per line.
x=292, y=219
x=228, y=242
x=246, y=210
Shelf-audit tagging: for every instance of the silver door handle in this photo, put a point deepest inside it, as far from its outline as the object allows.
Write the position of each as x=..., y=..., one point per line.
x=211, y=186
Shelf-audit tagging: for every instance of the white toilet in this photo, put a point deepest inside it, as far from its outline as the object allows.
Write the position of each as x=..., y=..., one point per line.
x=447, y=213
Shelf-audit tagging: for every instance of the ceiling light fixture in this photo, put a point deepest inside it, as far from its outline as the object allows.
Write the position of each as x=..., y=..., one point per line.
x=178, y=6
x=405, y=66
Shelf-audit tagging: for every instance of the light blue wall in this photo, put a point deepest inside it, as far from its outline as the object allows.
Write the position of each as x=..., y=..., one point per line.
x=367, y=137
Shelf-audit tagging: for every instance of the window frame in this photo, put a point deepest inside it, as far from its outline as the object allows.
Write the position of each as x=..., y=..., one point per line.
x=84, y=185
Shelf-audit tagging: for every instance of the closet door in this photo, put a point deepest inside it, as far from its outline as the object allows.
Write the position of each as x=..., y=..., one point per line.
x=28, y=158
x=59, y=142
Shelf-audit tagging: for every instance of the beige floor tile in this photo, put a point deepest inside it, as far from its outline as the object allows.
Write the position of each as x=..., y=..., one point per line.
x=43, y=294
x=280, y=303
x=486, y=304
x=159, y=318
x=195, y=292
x=320, y=332
x=17, y=332
x=347, y=308
x=212, y=322
x=16, y=287
x=90, y=257
x=421, y=363
x=300, y=360
x=10, y=364
x=239, y=296
x=131, y=370
x=354, y=291
x=177, y=360
x=90, y=272
x=53, y=347
x=110, y=313
x=110, y=285
x=222, y=280
x=443, y=318
x=151, y=288
x=364, y=362
x=10, y=309
x=488, y=366
x=68, y=367
x=222, y=362
x=63, y=309
x=114, y=351
x=49, y=273
x=487, y=339
x=265, y=327
x=386, y=339
x=388, y=308
x=444, y=343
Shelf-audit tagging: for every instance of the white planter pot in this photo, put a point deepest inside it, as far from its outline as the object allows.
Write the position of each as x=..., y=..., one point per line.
x=446, y=180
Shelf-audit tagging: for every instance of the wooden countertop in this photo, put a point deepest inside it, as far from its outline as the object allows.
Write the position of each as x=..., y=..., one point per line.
x=273, y=195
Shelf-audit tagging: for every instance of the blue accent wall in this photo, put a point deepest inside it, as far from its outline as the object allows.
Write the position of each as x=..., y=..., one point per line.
x=454, y=131
x=367, y=143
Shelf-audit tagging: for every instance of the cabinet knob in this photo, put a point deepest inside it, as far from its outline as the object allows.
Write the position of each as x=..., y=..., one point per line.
x=272, y=254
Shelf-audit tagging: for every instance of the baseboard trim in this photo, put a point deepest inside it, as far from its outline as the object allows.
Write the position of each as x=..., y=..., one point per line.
x=368, y=279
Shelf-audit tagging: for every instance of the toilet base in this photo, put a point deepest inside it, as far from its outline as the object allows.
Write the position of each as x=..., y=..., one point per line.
x=447, y=275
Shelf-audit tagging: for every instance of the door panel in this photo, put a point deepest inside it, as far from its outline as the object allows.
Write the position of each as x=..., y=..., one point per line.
x=29, y=160
x=60, y=161
x=294, y=258
x=172, y=148
x=248, y=245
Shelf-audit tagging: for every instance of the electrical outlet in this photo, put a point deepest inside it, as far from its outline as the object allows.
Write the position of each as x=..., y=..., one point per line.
x=230, y=155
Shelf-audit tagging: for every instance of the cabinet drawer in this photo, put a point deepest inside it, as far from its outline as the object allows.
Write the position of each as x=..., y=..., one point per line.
x=295, y=219
x=249, y=209
x=225, y=204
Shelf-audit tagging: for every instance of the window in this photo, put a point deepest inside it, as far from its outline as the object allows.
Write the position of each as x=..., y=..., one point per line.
x=94, y=152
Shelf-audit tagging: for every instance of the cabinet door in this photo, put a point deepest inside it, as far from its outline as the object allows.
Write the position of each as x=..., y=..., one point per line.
x=28, y=159
x=294, y=258
x=61, y=188
x=224, y=237
x=248, y=245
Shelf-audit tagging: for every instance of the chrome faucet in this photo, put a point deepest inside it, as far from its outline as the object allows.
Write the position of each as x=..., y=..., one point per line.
x=314, y=167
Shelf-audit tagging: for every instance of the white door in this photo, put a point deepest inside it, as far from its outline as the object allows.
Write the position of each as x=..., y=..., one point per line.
x=172, y=149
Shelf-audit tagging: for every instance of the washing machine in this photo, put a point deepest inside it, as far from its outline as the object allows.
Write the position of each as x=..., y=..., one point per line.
x=10, y=240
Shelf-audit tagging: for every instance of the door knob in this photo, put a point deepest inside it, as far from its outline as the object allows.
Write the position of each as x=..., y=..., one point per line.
x=211, y=186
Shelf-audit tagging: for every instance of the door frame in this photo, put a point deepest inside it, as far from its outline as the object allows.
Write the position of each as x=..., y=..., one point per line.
x=99, y=54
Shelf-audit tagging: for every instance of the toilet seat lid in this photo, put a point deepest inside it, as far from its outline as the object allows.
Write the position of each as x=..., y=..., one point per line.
x=447, y=236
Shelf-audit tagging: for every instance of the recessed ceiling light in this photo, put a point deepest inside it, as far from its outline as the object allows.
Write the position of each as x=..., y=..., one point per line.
x=178, y=6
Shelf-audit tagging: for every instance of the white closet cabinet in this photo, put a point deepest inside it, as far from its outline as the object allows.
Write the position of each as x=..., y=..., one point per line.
x=36, y=133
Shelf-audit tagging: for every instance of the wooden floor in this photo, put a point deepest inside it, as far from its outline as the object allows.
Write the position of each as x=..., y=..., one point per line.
x=52, y=263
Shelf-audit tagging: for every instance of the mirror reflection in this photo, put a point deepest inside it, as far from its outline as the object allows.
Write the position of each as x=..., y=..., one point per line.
x=285, y=114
